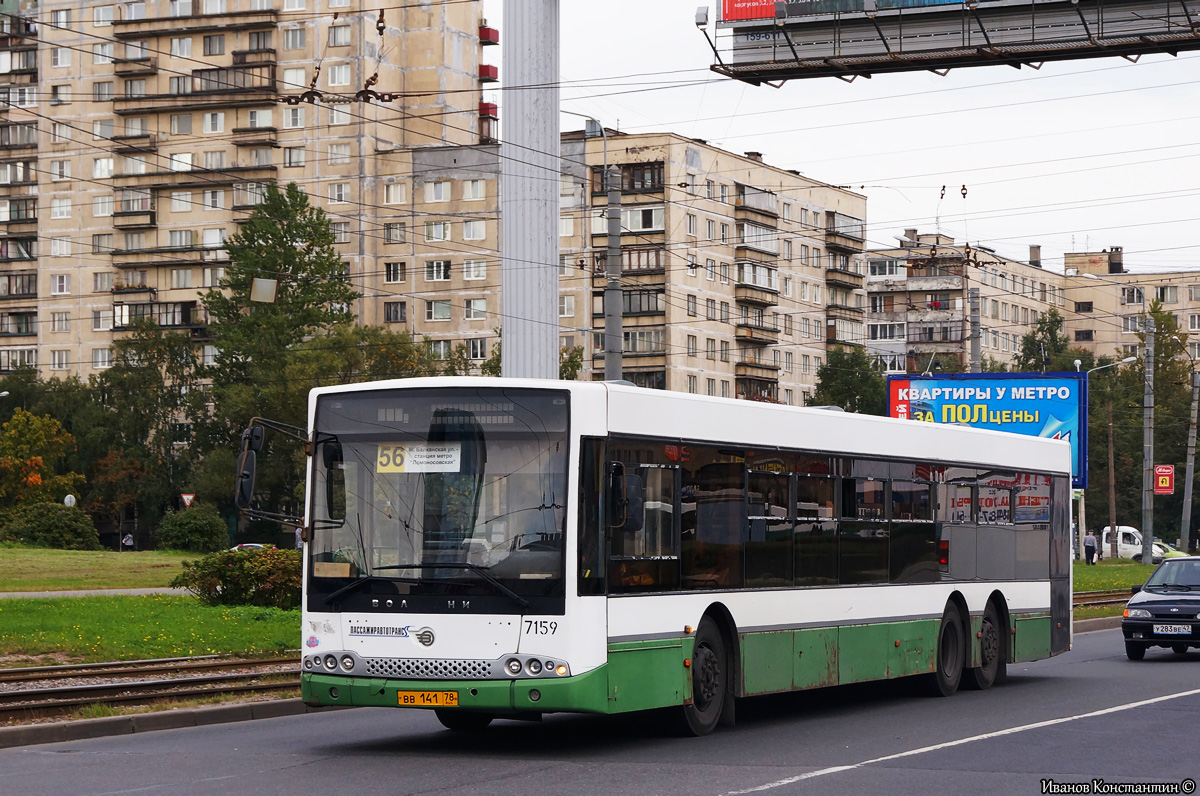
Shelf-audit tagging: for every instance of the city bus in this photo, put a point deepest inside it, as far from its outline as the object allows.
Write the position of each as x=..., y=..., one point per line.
x=508, y=548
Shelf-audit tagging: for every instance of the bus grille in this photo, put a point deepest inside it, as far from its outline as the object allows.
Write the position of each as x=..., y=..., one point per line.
x=423, y=669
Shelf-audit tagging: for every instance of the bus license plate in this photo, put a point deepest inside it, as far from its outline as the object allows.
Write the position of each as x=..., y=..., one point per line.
x=1172, y=630
x=432, y=699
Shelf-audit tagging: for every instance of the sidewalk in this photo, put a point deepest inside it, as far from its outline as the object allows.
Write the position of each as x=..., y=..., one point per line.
x=12, y=595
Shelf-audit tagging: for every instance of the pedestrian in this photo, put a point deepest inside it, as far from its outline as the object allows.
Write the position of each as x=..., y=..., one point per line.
x=1089, y=547
x=127, y=542
x=299, y=537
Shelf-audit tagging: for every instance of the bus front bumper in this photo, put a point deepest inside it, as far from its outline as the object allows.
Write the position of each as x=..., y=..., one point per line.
x=585, y=693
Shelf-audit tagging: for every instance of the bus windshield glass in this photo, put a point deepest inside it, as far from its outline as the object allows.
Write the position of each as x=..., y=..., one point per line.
x=430, y=494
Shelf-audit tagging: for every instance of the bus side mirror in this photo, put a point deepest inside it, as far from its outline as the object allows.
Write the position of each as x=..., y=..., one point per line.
x=243, y=490
x=635, y=504
x=335, y=480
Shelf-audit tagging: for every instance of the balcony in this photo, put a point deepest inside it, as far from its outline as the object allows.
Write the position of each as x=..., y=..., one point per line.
x=167, y=314
x=756, y=201
x=135, y=67
x=844, y=232
x=745, y=293
x=488, y=36
x=135, y=219
x=255, y=136
x=254, y=57
x=635, y=261
x=134, y=144
x=749, y=368
x=488, y=73
x=842, y=278
x=212, y=23
x=196, y=178
x=749, y=332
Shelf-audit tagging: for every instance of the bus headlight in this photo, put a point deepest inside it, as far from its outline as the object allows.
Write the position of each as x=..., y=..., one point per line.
x=330, y=662
x=534, y=666
x=513, y=666
x=347, y=662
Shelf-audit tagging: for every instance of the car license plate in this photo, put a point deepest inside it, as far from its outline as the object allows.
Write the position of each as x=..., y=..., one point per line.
x=432, y=699
x=1173, y=630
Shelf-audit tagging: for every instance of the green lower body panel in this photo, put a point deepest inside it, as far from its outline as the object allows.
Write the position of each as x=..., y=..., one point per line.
x=642, y=675
x=1031, y=637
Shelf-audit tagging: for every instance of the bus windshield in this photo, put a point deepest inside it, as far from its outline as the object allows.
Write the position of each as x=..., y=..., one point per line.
x=436, y=493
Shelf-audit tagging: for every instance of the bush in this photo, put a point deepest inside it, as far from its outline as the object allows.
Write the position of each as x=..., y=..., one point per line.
x=51, y=525
x=199, y=529
x=267, y=577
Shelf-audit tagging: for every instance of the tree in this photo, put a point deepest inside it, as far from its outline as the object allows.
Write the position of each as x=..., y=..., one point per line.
x=849, y=379
x=570, y=361
x=287, y=240
x=30, y=449
x=1045, y=349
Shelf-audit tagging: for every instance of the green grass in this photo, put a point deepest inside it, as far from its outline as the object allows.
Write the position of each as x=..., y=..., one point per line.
x=30, y=569
x=1110, y=574
x=93, y=629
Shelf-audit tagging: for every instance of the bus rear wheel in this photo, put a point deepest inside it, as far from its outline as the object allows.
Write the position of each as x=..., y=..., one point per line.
x=710, y=682
x=991, y=652
x=949, y=657
x=463, y=720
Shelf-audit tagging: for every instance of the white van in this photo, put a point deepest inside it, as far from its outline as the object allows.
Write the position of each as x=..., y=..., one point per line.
x=1129, y=542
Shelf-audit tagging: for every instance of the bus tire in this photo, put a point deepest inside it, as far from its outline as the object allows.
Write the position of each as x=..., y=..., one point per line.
x=949, y=656
x=710, y=682
x=991, y=652
x=463, y=720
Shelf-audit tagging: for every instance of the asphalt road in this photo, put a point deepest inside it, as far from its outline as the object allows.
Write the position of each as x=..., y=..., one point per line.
x=1084, y=715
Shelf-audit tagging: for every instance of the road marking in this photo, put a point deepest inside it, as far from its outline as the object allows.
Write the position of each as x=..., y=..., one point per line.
x=1010, y=731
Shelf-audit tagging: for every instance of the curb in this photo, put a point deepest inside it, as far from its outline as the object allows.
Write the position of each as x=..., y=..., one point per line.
x=58, y=732
x=1092, y=625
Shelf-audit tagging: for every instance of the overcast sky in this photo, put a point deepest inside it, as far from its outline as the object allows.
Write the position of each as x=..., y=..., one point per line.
x=1078, y=156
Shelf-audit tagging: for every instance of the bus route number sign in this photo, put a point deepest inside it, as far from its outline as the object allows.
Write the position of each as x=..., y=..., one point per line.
x=428, y=699
x=418, y=457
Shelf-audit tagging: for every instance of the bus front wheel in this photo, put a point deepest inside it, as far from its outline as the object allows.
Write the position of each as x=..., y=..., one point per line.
x=462, y=720
x=949, y=657
x=710, y=681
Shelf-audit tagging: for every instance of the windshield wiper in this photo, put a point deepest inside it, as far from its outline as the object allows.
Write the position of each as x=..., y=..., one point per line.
x=1183, y=586
x=365, y=579
x=478, y=570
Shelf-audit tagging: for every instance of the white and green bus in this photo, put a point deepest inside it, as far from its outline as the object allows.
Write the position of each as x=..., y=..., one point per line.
x=491, y=548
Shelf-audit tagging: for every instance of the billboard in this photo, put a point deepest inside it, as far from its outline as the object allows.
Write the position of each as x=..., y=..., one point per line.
x=765, y=9
x=1051, y=405
x=848, y=38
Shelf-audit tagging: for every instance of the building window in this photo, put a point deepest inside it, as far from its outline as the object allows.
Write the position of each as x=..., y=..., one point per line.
x=394, y=193
x=293, y=38
x=102, y=244
x=339, y=192
x=1083, y=306
x=60, y=247
x=437, y=271
x=395, y=312
x=60, y=284
x=293, y=155
x=566, y=306
x=1132, y=295
x=181, y=123
x=691, y=225
x=339, y=35
x=180, y=238
x=339, y=75
x=474, y=269
x=473, y=190
x=710, y=348
x=1167, y=294
x=691, y=384
x=477, y=348
x=691, y=306
x=339, y=116
x=102, y=91
x=60, y=208
x=394, y=273
x=339, y=154
x=214, y=45
x=102, y=53
x=101, y=358
x=394, y=232
x=710, y=309
x=437, y=310
x=59, y=360
x=181, y=277
x=212, y=276
x=474, y=309
x=340, y=230
x=437, y=230
x=474, y=230
x=437, y=191
x=693, y=346
x=1083, y=335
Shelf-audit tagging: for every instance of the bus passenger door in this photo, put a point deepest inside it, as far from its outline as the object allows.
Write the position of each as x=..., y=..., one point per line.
x=644, y=550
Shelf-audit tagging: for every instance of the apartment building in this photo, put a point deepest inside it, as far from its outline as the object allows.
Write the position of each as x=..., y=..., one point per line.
x=134, y=136
x=919, y=312
x=1106, y=302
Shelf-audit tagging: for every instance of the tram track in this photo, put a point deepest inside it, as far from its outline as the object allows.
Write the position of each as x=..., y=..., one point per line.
x=1095, y=599
x=49, y=691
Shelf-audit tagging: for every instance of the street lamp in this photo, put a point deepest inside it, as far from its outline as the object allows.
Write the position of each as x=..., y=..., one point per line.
x=1112, y=478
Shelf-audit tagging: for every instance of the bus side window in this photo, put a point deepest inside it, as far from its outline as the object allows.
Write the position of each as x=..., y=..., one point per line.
x=769, y=547
x=816, y=546
x=645, y=553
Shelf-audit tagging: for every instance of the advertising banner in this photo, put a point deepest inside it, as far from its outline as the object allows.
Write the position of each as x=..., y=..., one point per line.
x=732, y=10
x=1051, y=405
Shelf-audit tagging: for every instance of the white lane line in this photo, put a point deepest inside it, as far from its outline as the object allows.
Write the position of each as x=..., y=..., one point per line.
x=1010, y=731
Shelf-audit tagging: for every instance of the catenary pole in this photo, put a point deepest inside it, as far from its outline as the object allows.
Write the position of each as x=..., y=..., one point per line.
x=1148, y=448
